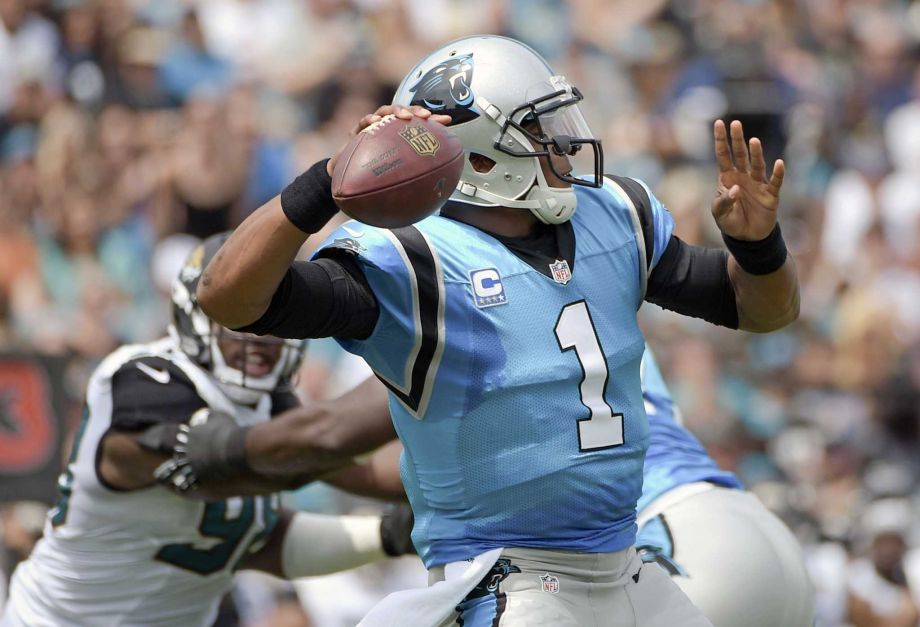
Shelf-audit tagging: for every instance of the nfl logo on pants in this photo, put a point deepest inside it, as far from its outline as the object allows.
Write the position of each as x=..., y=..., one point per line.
x=550, y=583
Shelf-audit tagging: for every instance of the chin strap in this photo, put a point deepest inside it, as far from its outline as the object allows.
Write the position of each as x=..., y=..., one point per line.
x=557, y=204
x=467, y=189
x=551, y=205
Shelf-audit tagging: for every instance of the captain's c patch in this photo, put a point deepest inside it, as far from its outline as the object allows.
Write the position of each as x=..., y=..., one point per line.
x=488, y=290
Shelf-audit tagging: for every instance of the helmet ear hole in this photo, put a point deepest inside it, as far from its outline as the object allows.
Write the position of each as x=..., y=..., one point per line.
x=481, y=163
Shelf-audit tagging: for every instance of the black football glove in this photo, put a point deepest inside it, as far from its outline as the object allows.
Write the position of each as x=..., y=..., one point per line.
x=210, y=451
x=396, y=530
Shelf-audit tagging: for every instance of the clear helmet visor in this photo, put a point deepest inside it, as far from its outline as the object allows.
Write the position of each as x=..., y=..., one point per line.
x=572, y=137
x=550, y=124
x=557, y=109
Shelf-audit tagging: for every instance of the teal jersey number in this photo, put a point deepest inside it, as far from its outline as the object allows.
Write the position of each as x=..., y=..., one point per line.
x=65, y=480
x=215, y=524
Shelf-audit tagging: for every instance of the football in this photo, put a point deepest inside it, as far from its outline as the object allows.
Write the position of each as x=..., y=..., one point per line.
x=396, y=172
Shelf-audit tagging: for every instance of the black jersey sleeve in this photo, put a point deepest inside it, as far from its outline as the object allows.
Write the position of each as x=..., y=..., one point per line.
x=694, y=281
x=149, y=391
x=326, y=297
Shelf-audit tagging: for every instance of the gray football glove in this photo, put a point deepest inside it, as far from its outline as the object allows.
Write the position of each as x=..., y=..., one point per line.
x=208, y=450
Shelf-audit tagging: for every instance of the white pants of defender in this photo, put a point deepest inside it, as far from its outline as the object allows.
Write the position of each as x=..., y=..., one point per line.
x=743, y=566
x=567, y=589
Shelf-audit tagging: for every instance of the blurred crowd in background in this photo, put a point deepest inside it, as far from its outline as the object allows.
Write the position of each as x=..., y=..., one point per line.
x=129, y=128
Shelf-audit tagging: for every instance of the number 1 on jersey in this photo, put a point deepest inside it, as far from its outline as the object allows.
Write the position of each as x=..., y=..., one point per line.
x=575, y=330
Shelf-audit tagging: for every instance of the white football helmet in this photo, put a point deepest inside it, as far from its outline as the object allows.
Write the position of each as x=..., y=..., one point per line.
x=492, y=87
x=199, y=337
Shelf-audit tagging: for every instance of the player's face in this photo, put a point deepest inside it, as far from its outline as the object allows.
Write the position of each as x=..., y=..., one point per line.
x=252, y=354
x=560, y=163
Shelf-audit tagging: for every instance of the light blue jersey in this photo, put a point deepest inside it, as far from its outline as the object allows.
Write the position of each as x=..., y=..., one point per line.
x=516, y=394
x=674, y=457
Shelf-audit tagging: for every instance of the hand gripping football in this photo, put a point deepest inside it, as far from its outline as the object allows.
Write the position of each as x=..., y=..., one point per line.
x=396, y=172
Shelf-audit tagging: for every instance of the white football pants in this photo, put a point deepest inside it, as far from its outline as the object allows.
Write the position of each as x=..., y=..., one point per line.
x=735, y=560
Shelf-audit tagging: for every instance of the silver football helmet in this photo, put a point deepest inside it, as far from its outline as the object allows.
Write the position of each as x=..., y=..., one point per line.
x=507, y=105
x=200, y=338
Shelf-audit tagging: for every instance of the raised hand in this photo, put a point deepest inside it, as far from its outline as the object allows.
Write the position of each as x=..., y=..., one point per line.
x=403, y=113
x=746, y=203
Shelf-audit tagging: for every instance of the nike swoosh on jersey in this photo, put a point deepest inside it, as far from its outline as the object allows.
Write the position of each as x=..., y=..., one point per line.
x=352, y=232
x=160, y=376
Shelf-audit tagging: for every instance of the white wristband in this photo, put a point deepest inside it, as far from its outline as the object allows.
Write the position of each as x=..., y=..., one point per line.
x=318, y=545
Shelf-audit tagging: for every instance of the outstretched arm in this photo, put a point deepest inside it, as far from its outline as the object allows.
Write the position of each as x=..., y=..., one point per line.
x=752, y=286
x=126, y=465
x=308, y=439
x=306, y=545
x=238, y=285
x=745, y=208
x=377, y=477
x=301, y=445
x=145, y=415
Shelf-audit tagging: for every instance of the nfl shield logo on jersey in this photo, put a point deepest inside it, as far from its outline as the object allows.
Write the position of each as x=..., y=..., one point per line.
x=561, y=272
x=488, y=290
x=550, y=583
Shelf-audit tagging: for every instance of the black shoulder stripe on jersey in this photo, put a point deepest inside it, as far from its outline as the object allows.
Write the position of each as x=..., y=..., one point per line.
x=151, y=390
x=425, y=275
x=643, y=204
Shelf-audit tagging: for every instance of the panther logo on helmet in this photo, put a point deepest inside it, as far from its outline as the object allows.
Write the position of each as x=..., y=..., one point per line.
x=445, y=89
x=492, y=103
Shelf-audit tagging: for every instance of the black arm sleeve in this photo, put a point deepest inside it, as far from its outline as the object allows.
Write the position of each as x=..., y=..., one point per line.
x=322, y=298
x=694, y=281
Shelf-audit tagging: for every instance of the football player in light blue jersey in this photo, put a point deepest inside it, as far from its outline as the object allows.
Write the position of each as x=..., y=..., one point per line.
x=505, y=330
x=695, y=519
x=674, y=456
x=736, y=561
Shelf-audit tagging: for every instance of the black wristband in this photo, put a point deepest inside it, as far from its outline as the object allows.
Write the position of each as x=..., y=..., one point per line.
x=764, y=256
x=307, y=201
